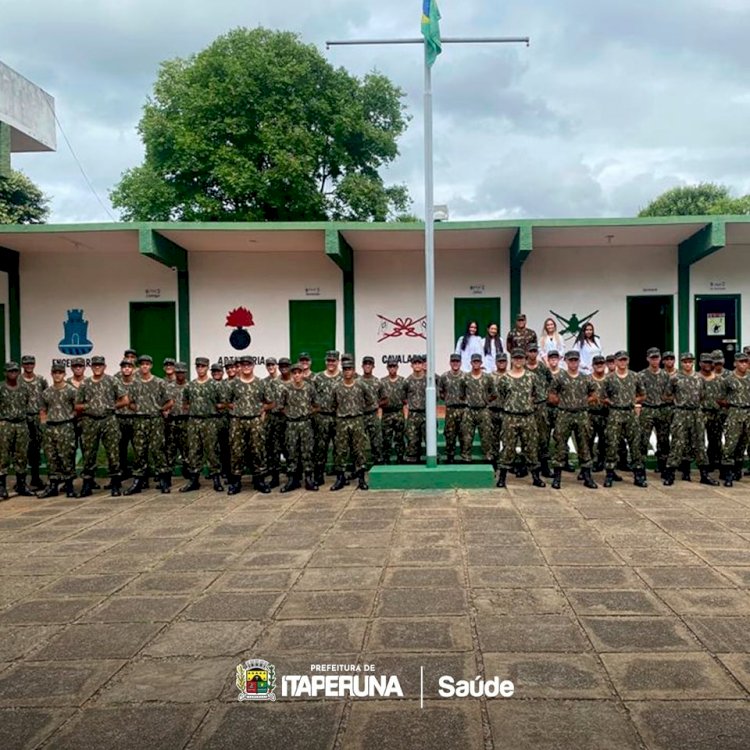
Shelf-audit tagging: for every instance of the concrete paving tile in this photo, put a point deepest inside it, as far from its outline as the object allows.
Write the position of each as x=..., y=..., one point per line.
x=313, y=636
x=255, y=580
x=128, y=727
x=17, y=640
x=499, y=539
x=368, y=514
x=569, y=538
x=46, y=565
x=638, y=634
x=414, y=602
x=403, y=724
x=530, y=634
x=301, y=605
x=289, y=541
x=558, y=724
x=587, y=556
x=502, y=523
x=26, y=728
x=158, y=546
x=99, y=641
x=335, y=558
x=168, y=583
x=425, y=556
x=320, y=579
x=722, y=634
x=382, y=525
x=199, y=561
x=137, y=609
x=683, y=578
x=693, y=725
x=349, y=540
x=109, y=563
x=47, y=611
x=634, y=539
x=739, y=666
x=739, y=557
x=413, y=577
x=740, y=576
x=72, y=586
x=270, y=559
x=645, y=557
x=74, y=682
x=204, y=639
x=177, y=680
x=436, y=634
x=282, y=725
x=406, y=525
x=578, y=577
x=502, y=555
x=669, y=676
x=232, y=606
x=550, y=675
x=102, y=533
x=512, y=576
x=721, y=602
x=557, y=522
x=519, y=601
x=13, y=588
x=425, y=539
x=615, y=602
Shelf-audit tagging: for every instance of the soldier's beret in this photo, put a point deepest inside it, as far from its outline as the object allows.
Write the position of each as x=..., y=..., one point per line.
x=145, y=358
x=246, y=359
x=332, y=354
x=741, y=357
x=57, y=367
x=304, y=355
x=455, y=357
x=78, y=362
x=271, y=361
x=687, y=356
x=598, y=359
x=476, y=357
x=532, y=347
x=169, y=361
x=28, y=359
x=668, y=355
x=126, y=363
x=553, y=353
x=11, y=366
x=201, y=361
x=622, y=354
x=129, y=353
x=521, y=316
x=706, y=358
x=368, y=360
x=518, y=352
x=393, y=360
x=180, y=367
x=296, y=366
x=574, y=354
x=501, y=357
x=216, y=367
x=284, y=362
x=653, y=352
x=98, y=360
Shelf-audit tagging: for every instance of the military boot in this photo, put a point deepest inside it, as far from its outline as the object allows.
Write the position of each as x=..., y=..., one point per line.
x=667, y=477
x=275, y=481
x=310, y=483
x=340, y=482
x=639, y=478
x=193, y=484
x=165, y=483
x=522, y=471
x=706, y=478
x=727, y=475
x=545, y=470
x=3, y=489
x=69, y=489
x=292, y=482
x=616, y=477
x=685, y=471
x=320, y=475
x=234, y=484
x=609, y=478
x=21, y=487
x=557, y=477
x=115, y=486
x=87, y=487
x=450, y=458
x=737, y=473
x=51, y=490
x=661, y=465
x=218, y=486
x=36, y=482
x=535, y=480
x=588, y=480
x=136, y=487
x=260, y=486
x=502, y=475
x=361, y=481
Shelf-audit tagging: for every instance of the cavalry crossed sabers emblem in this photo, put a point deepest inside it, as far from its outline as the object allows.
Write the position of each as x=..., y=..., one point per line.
x=573, y=324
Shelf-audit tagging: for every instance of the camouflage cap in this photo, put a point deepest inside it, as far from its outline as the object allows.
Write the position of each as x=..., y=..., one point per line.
x=621, y=354
x=598, y=359
x=705, y=357
x=501, y=357
x=271, y=361
x=247, y=359
x=393, y=360
x=476, y=357
x=332, y=354
x=347, y=364
x=129, y=353
x=455, y=357
x=216, y=367
x=668, y=355
x=553, y=353
x=532, y=347
x=718, y=358
x=11, y=367
x=78, y=362
x=126, y=363
x=368, y=360
x=304, y=356
x=231, y=363
x=741, y=357
x=609, y=358
x=201, y=362
x=180, y=367
x=296, y=366
x=57, y=367
x=28, y=359
x=746, y=349
x=575, y=354
x=98, y=360
x=521, y=316
x=653, y=352
x=169, y=361
x=518, y=353
x=687, y=357
x=284, y=362
x=146, y=358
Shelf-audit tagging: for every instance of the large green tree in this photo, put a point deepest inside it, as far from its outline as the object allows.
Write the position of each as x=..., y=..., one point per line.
x=261, y=127
x=704, y=199
x=21, y=201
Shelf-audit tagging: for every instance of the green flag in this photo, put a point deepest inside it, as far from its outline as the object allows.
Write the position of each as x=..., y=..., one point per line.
x=431, y=30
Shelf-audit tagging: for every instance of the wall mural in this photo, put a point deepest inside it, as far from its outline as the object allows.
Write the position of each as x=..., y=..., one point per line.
x=240, y=318
x=75, y=341
x=393, y=329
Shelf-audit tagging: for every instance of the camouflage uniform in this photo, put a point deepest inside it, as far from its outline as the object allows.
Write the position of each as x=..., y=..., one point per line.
x=373, y=428
x=621, y=421
x=223, y=425
x=149, y=397
x=541, y=413
x=452, y=390
x=175, y=427
x=496, y=416
x=688, y=430
x=350, y=402
x=297, y=406
x=598, y=414
x=416, y=401
x=99, y=424
x=714, y=417
x=36, y=386
x=654, y=414
x=519, y=396
x=572, y=417
x=14, y=429
x=58, y=432
x=520, y=338
x=324, y=421
x=393, y=418
x=126, y=425
x=479, y=392
x=737, y=396
x=247, y=437
x=203, y=399
x=275, y=425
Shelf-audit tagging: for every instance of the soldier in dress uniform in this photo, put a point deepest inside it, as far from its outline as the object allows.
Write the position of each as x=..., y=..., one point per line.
x=451, y=388
x=372, y=418
x=36, y=385
x=324, y=421
x=394, y=388
x=653, y=417
x=14, y=430
x=480, y=391
x=416, y=404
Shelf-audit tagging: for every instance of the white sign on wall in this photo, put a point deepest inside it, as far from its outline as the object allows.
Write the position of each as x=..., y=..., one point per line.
x=153, y=293
x=716, y=323
x=717, y=286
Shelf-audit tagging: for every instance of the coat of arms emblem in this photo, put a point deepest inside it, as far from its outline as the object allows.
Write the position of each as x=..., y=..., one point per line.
x=75, y=341
x=256, y=680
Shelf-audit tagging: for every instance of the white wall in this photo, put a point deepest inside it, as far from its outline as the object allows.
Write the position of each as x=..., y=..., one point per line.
x=263, y=283
x=582, y=280
x=102, y=285
x=391, y=284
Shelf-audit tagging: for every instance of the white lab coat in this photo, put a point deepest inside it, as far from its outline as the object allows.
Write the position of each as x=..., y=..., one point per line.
x=475, y=345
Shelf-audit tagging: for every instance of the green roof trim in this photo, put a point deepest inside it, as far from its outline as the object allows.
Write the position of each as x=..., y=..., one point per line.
x=157, y=247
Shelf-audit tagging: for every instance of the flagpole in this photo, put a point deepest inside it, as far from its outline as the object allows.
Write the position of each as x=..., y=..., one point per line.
x=429, y=269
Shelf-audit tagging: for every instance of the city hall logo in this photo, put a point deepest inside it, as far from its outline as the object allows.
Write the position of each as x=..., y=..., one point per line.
x=75, y=341
x=395, y=328
x=256, y=680
x=240, y=318
x=573, y=324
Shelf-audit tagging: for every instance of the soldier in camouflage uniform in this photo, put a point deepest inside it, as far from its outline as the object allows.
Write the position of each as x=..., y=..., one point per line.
x=622, y=391
x=416, y=404
x=175, y=427
x=78, y=367
x=248, y=400
x=712, y=412
x=14, y=431
x=324, y=421
x=125, y=418
x=394, y=388
x=203, y=400
x=36, y=385
x=736, y=397
x=536, y=367
x=480, y=392
x=598, y=413
x=371, y=418
x=351, y=399
x=96, y=402
x=521, y=336
x=168, y=365
x=653, y=416
x=298, y=404
x=451, y=388
x=572, y=392
x=57, y=414
x=305, y=361
x=150, y=403
x=222, y=433
x=275, y=423
x=687, y=391
x=519, y=391
x=496, y=406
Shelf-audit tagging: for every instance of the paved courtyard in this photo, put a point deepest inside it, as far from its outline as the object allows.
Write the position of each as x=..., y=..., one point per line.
x=622, y=617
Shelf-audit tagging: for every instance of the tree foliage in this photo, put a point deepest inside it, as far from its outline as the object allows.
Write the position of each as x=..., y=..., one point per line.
x=21, y=201
x=704, y=199
x=261, y=127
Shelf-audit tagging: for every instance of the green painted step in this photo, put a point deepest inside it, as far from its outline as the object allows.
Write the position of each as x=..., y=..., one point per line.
x=442, y=477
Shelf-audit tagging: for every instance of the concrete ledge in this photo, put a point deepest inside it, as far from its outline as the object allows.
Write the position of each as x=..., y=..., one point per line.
x=417, y=477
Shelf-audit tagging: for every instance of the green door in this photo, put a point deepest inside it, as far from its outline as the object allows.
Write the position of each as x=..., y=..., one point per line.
x=153, y=330
x=484, y=310
x=312, y=328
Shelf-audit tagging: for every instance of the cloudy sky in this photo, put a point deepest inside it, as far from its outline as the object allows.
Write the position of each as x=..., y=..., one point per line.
x=612, y=103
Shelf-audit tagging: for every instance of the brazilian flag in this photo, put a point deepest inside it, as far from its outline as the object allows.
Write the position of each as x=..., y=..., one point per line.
x=431, y=30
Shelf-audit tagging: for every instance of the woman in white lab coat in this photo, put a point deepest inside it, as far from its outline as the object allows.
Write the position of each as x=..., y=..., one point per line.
x=492, y=346
x=589, y=345
x=550, y=340
x=469, y=344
